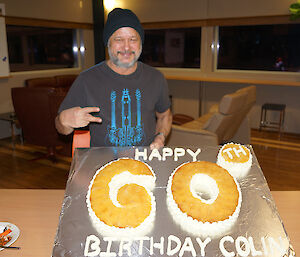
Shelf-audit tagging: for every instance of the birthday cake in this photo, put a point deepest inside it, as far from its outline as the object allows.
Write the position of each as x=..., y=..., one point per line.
x=235, y=158
x=203, y=198
x=168, y=202
x=119, y=199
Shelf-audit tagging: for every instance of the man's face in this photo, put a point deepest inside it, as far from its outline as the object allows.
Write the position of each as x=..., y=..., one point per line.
x=124, y=47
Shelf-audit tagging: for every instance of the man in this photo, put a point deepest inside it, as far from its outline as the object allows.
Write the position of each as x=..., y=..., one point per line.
x=124, y=101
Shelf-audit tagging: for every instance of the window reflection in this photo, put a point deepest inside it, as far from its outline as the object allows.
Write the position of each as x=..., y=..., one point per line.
x=37, y=48
x=172, y=47
x=261, y=47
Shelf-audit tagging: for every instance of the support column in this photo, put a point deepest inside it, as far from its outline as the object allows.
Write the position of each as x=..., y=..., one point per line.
x=98, y=19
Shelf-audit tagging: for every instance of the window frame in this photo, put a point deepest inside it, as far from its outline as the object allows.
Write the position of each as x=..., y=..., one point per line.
x=33, y=22
x=173, y=28
x=208, y=71
x=215, y=59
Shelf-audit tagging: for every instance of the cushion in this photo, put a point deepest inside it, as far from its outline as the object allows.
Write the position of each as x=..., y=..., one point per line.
x=232, y=103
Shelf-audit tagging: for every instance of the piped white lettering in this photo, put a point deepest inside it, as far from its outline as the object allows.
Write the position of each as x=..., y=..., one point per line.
x=159, y=245
x=155, y=154
x=187, y=246
x=278, y=246
x=240, y=150
x=125, y=245
x=242, y=246
x=222, y=247
x=203, y=244
x=177, y=242
x=263, y=242
x=254, y=252
x=92, y=243
x=141, y=244
x=178, y=152
x=142, y=154
x=194, y=154
x=228, y=152
x=108, y=253
x=166, y=152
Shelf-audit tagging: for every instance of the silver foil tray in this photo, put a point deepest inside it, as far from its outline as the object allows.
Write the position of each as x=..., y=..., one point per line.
x=258, y=230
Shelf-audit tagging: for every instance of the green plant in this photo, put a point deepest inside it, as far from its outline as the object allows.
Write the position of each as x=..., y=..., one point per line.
x=295, y=10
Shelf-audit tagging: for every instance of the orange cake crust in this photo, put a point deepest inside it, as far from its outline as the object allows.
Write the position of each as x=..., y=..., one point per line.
x=224, y=205
x=135, y=201
x=229, y=154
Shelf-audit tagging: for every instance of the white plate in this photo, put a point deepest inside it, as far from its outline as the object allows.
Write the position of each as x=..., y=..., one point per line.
x=15, y=232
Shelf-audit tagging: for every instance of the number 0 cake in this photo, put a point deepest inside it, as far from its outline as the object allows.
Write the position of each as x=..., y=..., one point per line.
x=203, y=198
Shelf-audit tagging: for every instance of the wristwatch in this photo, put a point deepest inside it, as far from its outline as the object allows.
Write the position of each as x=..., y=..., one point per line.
x=160, y=133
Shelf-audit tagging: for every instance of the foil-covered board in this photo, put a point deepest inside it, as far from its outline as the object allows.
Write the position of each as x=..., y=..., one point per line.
x=258, y=231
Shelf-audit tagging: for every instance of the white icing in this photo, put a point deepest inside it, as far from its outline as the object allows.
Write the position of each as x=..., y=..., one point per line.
x=236, y=169
x=194, y=226
x=222, y=247
x=203, y=244
x=148, y=182
x=203, y=186
x=187, y=247
x=166, y=152
x=178, y=152
x=173, y=245
x=171, y=241
x=194, y=154
x=126, y=178
x=238, y=151
x=242, y=246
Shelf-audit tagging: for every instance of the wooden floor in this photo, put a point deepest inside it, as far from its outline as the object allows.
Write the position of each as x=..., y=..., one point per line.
x=279, y=159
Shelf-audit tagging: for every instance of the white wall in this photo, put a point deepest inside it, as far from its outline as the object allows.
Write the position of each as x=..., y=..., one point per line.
x=63, y=10
x=174, y=10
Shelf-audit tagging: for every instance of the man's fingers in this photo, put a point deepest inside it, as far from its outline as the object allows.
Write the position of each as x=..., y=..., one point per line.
x=90, y=109
x=92, y=118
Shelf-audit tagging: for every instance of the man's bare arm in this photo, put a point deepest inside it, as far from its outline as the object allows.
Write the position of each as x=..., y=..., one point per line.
x=75, y=117
x=163, y=127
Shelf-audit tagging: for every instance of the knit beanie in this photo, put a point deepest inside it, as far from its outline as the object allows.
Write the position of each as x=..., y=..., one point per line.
x=119, y=18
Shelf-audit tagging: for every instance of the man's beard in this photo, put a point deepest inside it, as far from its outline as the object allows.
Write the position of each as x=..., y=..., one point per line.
x=116, y=61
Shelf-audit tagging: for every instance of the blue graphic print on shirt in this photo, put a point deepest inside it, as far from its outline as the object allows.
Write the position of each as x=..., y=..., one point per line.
x=127, y=134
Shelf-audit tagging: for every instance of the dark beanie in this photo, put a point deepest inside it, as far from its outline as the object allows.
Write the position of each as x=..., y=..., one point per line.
x=119, y=18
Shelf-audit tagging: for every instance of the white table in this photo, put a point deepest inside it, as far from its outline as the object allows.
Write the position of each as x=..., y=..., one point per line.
x=36, y=213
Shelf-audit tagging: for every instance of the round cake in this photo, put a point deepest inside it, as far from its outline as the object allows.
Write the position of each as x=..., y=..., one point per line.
x=120, y=199
x=203, y=198
x=235, y=158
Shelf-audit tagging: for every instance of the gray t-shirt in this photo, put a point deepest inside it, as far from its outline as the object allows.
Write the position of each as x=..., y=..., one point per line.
x=127, y=103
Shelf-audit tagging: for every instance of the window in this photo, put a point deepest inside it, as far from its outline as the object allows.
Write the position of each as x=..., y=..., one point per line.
x=37, y=48
x=260, y=47
x=172, y=47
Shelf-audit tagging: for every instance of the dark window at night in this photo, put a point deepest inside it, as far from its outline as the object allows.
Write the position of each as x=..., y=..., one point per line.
x=36, y=48
x=263, y=47
x=177, y=48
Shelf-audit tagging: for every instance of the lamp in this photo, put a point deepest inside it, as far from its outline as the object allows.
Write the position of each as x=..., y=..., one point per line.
x=109, y=5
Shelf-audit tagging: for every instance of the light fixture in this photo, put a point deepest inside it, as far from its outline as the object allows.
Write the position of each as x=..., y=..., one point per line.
x=82, y=49
x=109, y=4
x=75, y=49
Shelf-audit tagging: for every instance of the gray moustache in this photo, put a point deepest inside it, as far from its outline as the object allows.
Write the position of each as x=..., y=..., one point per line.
x=126, y=52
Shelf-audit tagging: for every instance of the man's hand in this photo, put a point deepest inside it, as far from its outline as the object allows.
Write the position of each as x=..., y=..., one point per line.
x=158, y=142
x=75, y=117
x=163, y=127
